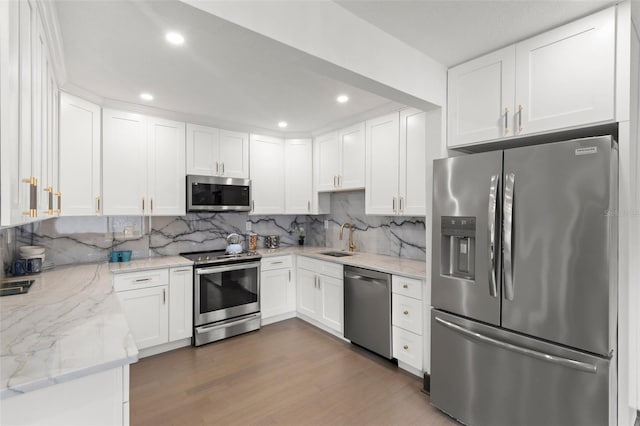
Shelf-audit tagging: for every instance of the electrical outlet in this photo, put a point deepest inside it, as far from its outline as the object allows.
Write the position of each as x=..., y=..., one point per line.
x=247, y=225
x=326, y=224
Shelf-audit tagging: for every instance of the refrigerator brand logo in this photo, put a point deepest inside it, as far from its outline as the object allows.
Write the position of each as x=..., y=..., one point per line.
x=586, y=151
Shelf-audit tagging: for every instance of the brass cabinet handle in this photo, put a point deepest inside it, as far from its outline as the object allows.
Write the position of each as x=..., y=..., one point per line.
x=520, y=109
x=405, y=347
x=33, y=196
x=151, y=201
x=401, y=204
x=216, y=167
x=164, y=296
x=289, y=275
x=334, y=181
x=308, y=206
x=98, y=204
x=59, y=195
x=223, y=168
x=406, y=312
x=506, y=120
x=142, y=204
x=339, y=180
x=49, y=210
x=394, y=204
x=405, y=286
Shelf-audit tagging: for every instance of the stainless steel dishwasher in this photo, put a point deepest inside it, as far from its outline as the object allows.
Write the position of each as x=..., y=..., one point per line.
x=367, y=309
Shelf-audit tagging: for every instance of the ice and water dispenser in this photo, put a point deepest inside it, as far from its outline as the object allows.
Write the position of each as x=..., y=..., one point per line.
x=458, y=246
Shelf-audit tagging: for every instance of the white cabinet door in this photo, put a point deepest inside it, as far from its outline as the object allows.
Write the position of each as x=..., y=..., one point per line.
x=39, y=66
x=180, y=303
x=480, y=98
x=79, y=156
x=383, y=139
x=147, y=311
x=166, y=168
x=267, y=175
x=298, y=178
x=234, y=154
x=565, y=77
x=124, y=163
x=306, y=289
x=352, y=157
x=331, y=302
x=276, y=297
x=202, y=150
x=412, y=199
x=327, y=161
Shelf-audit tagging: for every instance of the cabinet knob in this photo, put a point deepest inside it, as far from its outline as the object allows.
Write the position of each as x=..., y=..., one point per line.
x=405, y=286
x=406, y=312
x=405, y=347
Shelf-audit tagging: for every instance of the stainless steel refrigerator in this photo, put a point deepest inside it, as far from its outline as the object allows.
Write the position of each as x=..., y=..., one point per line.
x=524, y=286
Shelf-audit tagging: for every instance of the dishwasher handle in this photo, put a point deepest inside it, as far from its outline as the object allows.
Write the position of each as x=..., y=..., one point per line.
x=363, y=278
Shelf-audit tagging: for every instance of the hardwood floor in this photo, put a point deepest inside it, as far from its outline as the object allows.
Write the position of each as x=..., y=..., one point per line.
x=288, y=373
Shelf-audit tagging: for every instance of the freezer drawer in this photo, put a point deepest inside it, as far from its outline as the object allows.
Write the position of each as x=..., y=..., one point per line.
x=482, y=375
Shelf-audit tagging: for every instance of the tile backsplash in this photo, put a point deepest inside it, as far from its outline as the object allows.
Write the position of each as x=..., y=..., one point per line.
x=90, y=239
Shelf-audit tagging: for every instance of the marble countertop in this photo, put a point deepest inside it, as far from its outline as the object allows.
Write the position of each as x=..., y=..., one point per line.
x=149, y=263
x=69, y=325
x=389, y=264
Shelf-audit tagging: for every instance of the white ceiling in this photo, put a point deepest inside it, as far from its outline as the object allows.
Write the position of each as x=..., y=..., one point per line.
x=454, y=31
x=116, y=49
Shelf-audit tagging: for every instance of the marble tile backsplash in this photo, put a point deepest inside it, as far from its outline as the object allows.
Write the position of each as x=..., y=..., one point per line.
x=90, y=239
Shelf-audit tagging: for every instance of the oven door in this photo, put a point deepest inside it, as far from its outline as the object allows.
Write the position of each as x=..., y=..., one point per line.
x=223, y=292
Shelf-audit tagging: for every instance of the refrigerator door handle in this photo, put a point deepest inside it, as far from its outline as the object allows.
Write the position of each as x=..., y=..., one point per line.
x=565, y=362
x=493, y=199
x=509, y=181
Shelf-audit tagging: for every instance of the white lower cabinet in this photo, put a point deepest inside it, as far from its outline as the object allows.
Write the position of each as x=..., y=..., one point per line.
x=320, y=293
x=157, y=304
x=277, y=289
x=407, y=320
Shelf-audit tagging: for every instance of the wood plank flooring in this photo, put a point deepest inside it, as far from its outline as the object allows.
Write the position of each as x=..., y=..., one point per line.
x=288, y=373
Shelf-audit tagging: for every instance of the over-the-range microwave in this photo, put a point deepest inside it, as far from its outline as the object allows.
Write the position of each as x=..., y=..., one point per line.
x=218, y=194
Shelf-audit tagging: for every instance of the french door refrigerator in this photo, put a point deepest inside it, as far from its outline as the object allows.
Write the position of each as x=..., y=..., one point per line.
x=524, y=287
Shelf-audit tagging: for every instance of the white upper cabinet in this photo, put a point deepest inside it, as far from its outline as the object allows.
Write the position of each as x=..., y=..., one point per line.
x=480, y=99
x=166, y=168
x=326, y=161
x=234, y=154
x=28, y=116
x=383, y=150
x=560, y=79
x=298, y=176
x=124, y=163
x=267, y=175
x=215, y=152
x=412, y=198
x=143, y=166
x=339, y=159
x=352, y=151
x=566, y=77
x=79, y=156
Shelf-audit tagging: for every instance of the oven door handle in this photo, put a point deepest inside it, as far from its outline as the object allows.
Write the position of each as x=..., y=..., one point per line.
x=208, y=328
x=216, y=269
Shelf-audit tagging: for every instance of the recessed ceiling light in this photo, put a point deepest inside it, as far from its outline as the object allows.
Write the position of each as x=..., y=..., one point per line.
x=174, y=38
x=282, y=124
x=342, y=98
x=146, y=96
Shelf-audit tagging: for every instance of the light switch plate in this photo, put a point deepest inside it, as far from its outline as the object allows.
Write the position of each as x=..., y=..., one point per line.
x=326, y=224
x=247, y=225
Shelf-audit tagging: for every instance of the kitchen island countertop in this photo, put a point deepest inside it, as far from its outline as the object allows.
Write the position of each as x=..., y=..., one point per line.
x=69, y=325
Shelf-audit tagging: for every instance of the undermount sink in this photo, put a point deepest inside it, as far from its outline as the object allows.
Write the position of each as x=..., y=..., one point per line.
x=337, y=253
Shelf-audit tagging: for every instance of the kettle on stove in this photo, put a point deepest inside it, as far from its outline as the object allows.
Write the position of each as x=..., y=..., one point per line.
x=234, y=245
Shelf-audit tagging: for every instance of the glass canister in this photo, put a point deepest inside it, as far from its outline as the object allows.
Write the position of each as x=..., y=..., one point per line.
x=253, y=242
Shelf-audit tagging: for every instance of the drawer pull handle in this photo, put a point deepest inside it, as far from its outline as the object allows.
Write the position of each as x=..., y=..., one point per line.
x=405, y=347
x=405, y=286
x=277, y=263
x=139, y=280
x=406, y=312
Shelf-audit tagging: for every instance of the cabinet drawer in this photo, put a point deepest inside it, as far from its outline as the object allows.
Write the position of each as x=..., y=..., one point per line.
x=276, y=262
x=321, y=267
x=142, y=279
x=409, y=287
x=407, y=313
x=407, y=347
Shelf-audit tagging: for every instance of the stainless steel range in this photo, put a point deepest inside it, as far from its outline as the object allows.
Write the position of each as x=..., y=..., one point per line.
x=226, y=296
